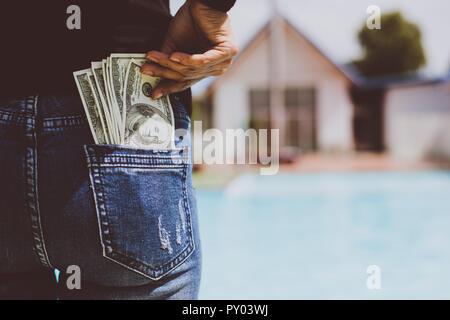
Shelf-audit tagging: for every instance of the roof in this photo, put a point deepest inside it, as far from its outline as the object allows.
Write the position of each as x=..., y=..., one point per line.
x=348, y=70
x=266, y=28
x=412, y=78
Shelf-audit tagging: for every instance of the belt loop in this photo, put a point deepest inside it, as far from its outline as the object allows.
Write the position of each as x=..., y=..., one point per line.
x=31, y=182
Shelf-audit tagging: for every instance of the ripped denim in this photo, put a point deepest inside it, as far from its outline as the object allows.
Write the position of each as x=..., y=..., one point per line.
x=127, y=217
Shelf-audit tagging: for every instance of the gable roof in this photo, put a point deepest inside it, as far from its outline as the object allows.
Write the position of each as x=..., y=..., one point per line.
x=260, y=36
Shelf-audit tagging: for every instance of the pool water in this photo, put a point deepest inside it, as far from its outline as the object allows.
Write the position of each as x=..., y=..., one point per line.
x=313, y=236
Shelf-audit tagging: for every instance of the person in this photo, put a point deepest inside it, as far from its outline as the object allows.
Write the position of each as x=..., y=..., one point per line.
x=116, y=222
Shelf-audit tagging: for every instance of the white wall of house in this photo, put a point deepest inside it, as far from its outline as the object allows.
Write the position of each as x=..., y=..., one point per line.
x=304, y=67
x=335, y=115
x=417, y=121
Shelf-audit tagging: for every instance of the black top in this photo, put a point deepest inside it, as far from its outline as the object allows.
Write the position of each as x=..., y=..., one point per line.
x=222, y=5
x=39, y=52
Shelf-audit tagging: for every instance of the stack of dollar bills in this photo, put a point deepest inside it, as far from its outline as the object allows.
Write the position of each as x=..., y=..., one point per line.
x=117, y=100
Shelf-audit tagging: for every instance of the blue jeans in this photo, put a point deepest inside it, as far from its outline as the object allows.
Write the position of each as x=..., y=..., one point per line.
x=126, y=217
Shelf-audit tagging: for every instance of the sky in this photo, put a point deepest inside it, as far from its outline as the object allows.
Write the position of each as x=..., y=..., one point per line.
x=333, y=25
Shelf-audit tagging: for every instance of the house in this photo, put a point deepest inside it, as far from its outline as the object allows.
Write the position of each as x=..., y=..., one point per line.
x=417, y=119
x=406, y=115
x=327, y=107
x=317, y=105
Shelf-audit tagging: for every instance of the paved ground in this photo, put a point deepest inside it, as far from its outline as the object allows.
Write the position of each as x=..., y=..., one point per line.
x=360, y=162
x=217, y=176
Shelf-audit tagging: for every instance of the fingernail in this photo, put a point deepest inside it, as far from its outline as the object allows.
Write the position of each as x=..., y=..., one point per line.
x=147, y=72
x=175, y=59
x=158, y=95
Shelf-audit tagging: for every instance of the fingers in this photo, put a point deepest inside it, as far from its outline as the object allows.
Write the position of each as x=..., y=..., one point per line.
x=169, y=86
x=155, y=70
x=181, y=70
x=182, y=74
x=164, y=60
x=207, y=59
x=219, y=69
x=190, y=64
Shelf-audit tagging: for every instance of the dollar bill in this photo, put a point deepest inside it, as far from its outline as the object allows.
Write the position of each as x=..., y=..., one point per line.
x=118, y=104
x=89, y=104
x=111, y=105
x=99, y=106
x=113, y=129
x=148, y=123
x=118, y=64
x=97, y=71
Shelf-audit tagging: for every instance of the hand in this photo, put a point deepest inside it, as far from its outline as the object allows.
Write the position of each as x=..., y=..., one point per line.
x=199, y=44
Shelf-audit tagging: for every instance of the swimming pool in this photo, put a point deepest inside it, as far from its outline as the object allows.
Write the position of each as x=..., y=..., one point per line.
x=313, y=235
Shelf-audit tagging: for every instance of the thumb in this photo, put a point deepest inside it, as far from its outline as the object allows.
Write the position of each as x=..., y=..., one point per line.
x=168, y=45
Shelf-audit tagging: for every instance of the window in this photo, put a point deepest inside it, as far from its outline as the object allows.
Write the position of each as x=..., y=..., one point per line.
x=300, y=123
x=260, y=97
x=300, y=118
x=294, y=97
x=259, y=109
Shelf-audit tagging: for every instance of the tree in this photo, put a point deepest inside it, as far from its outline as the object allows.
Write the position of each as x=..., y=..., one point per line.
x=395, y=48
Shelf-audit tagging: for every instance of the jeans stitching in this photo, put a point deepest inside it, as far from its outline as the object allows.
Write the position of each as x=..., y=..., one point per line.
x=188, y=208
x=64, y=122
x=32, y=203
x=16, y=119
x=115, y=255
x=135, y=160
x=98, y=200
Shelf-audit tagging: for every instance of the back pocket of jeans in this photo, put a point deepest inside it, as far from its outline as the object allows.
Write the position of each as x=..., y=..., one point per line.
x=142, y=207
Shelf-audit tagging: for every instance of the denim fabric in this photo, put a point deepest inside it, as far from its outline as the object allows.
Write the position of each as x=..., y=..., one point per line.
x=127, y=217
